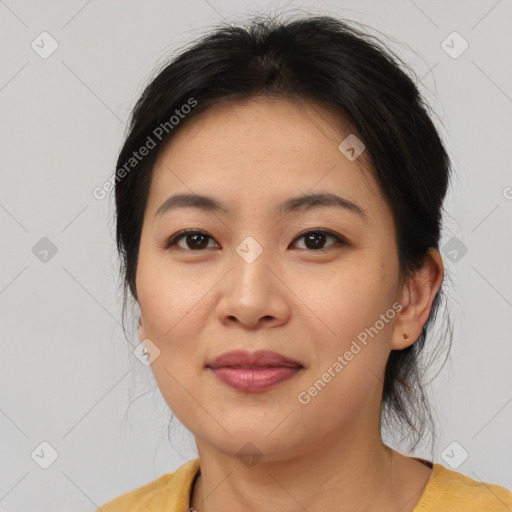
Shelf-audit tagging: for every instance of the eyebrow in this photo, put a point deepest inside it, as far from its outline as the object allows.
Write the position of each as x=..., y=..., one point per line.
x=300, y=203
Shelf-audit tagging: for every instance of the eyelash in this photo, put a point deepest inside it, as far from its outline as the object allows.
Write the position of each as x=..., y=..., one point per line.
x=182, y=234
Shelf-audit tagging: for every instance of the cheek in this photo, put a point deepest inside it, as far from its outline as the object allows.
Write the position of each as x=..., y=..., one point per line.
x=351, y=358
x=169, y=297
x=356, y=307
x=174, y=311
x=352, y=298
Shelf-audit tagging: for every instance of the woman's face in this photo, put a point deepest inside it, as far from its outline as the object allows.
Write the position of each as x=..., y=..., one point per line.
x=253, y=281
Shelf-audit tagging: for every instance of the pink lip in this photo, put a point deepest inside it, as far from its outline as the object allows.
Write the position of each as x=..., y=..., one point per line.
x=245, y=358
x=258, y=371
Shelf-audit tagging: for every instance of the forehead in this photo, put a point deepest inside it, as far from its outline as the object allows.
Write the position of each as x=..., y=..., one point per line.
x=262, y=150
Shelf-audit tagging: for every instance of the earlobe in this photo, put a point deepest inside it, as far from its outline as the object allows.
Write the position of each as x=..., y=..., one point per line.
x=418, y=294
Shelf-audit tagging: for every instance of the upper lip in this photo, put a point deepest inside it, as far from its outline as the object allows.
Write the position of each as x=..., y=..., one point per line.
x=258, y=358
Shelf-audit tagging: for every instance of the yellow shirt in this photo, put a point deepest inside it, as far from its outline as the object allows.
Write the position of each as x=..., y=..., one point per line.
x=446, y=491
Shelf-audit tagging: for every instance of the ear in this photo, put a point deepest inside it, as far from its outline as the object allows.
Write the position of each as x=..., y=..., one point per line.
x=417, y=294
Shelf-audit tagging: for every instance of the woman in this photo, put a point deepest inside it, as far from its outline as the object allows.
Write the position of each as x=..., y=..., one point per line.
x=279, y=201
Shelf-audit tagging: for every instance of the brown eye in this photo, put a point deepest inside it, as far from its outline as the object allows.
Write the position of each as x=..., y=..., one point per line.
x=315, y=239
x=194, y=240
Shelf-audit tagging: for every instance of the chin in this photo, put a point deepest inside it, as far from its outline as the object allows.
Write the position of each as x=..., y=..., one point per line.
x=257, y=442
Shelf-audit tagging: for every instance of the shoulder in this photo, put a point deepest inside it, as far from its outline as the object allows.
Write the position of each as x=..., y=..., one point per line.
x=168, y=493
x=450, y=491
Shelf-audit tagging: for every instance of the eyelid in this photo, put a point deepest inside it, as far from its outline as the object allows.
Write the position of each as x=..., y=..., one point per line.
x=183, y=233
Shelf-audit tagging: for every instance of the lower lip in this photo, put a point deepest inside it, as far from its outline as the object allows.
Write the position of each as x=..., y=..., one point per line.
x=247, y=379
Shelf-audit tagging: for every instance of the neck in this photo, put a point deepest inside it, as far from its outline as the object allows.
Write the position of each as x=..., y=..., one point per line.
x=345, y=473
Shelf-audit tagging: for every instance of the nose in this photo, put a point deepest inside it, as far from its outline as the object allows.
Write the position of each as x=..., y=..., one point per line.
x=252, y=295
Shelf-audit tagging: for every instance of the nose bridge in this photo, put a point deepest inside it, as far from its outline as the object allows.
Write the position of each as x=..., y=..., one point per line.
x=252, y=291
x=252, y=262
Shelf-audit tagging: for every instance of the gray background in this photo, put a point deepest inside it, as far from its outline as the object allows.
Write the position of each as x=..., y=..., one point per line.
x=67, y=375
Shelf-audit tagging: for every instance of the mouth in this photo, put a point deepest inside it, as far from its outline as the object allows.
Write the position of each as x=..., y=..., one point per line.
x=254, y=372
x=254, y=379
